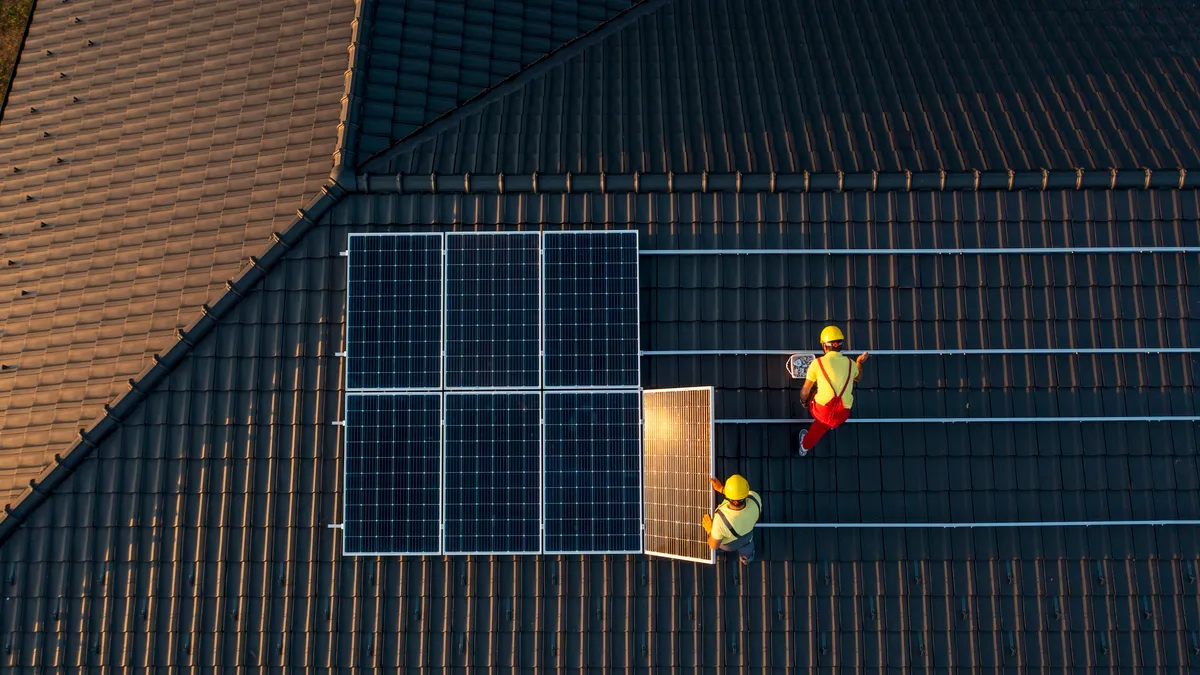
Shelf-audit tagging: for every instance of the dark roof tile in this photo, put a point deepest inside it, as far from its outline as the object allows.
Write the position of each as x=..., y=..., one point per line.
x=846, y=88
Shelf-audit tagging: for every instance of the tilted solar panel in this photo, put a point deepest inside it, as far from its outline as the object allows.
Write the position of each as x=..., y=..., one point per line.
x=593, y=501
x=590, y=282
x=493, y=472
x=679, y=459
x=394, y=311
x=392, y=466
x=492, y=310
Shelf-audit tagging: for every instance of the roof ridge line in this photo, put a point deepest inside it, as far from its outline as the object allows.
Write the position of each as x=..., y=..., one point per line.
x=346, y=150
x=436, y=125
x=163, y=363
x=1107, y=178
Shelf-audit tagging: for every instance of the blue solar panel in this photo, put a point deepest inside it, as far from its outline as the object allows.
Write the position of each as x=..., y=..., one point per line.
x=392, y=474
x=593, y=497
x=591, y=309
x=492, y=310
x=394, y=312
x=493, y=472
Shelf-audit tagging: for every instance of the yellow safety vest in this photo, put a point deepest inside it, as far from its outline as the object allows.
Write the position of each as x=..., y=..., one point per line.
x=742, y=522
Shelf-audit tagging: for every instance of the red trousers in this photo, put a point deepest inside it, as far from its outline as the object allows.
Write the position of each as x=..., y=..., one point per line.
x=815, y=432
x=822, y=422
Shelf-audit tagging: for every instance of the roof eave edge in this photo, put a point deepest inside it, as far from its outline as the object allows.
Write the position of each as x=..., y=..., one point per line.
x=349, y=121
x=117, y=411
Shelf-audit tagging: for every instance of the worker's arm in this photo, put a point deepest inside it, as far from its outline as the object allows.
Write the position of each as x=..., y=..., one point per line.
x=806, y=391
x=713, y=543
x=862, y=358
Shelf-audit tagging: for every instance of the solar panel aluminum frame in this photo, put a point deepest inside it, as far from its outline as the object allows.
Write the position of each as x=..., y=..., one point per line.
x=441, y=324
x=640, y=467
x=446, y=313
x=441, y=474
x=637, y=308
x=541, y=471
x=712, y=469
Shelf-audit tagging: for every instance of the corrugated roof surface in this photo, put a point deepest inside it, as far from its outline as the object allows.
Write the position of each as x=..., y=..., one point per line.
x=764, y=85
x=427, y=57
x=196, y=535
x=147, y=149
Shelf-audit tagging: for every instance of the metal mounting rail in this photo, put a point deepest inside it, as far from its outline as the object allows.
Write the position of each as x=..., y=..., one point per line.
x=907, y=526
x=973, y=420
x=925, y=251
x=932, y=352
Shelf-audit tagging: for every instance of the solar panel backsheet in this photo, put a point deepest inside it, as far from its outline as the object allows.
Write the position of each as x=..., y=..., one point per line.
x=493, y=310
x=679, y=460
x=394, y=311
x=493, y=472
x=593, y=501
x=591, y=309
x=392, y=474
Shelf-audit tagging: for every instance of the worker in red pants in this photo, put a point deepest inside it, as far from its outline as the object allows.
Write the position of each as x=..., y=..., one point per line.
x=828, y=390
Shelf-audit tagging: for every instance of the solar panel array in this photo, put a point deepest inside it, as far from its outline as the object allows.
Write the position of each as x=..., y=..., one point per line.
x=487, y=470
x=679, y=459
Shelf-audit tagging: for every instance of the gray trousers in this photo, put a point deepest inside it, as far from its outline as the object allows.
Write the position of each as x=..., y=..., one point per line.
x=743, y=546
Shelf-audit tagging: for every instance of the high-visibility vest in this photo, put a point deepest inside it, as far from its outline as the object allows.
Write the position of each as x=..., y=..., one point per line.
x=739, y=523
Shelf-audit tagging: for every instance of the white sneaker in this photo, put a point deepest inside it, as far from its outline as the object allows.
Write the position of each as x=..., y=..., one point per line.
x=803, y=452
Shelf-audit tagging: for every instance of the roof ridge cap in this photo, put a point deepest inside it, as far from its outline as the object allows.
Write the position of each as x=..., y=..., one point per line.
x=1078, y=178
x=436, y=125
x=345, y=152
x=164, y=363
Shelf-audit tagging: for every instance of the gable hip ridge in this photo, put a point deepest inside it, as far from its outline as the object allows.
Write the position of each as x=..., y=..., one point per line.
x=569, y=48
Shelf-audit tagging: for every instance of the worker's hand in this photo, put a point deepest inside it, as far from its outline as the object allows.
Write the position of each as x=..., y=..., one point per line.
x=862, y=358
x=716, y=485
x=706, y=523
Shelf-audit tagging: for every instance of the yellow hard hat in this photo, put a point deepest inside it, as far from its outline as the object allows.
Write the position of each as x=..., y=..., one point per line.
x=832, y=334
x=736, y=488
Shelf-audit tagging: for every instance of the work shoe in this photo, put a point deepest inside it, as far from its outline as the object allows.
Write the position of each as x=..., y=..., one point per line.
x=803, y=452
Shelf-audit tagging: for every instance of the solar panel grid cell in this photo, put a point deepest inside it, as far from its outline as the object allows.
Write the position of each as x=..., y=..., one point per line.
x=592, y=469
x=493, y=308
x=591, y=309
x=394, y=312
x=392, y=474
x=492, y=473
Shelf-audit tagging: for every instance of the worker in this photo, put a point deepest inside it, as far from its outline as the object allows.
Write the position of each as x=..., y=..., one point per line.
x=828, y=390
x=731, y=527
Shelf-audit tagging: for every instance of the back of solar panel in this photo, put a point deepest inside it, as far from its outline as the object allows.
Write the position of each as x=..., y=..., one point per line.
x=679, y=459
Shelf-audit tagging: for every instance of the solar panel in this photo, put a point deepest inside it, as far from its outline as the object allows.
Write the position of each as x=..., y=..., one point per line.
x=392, y=474
x=593, y=472
x=394, y=311
x=591, y=309
x=493, y=288
x=679, y=459
x=493, y=472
